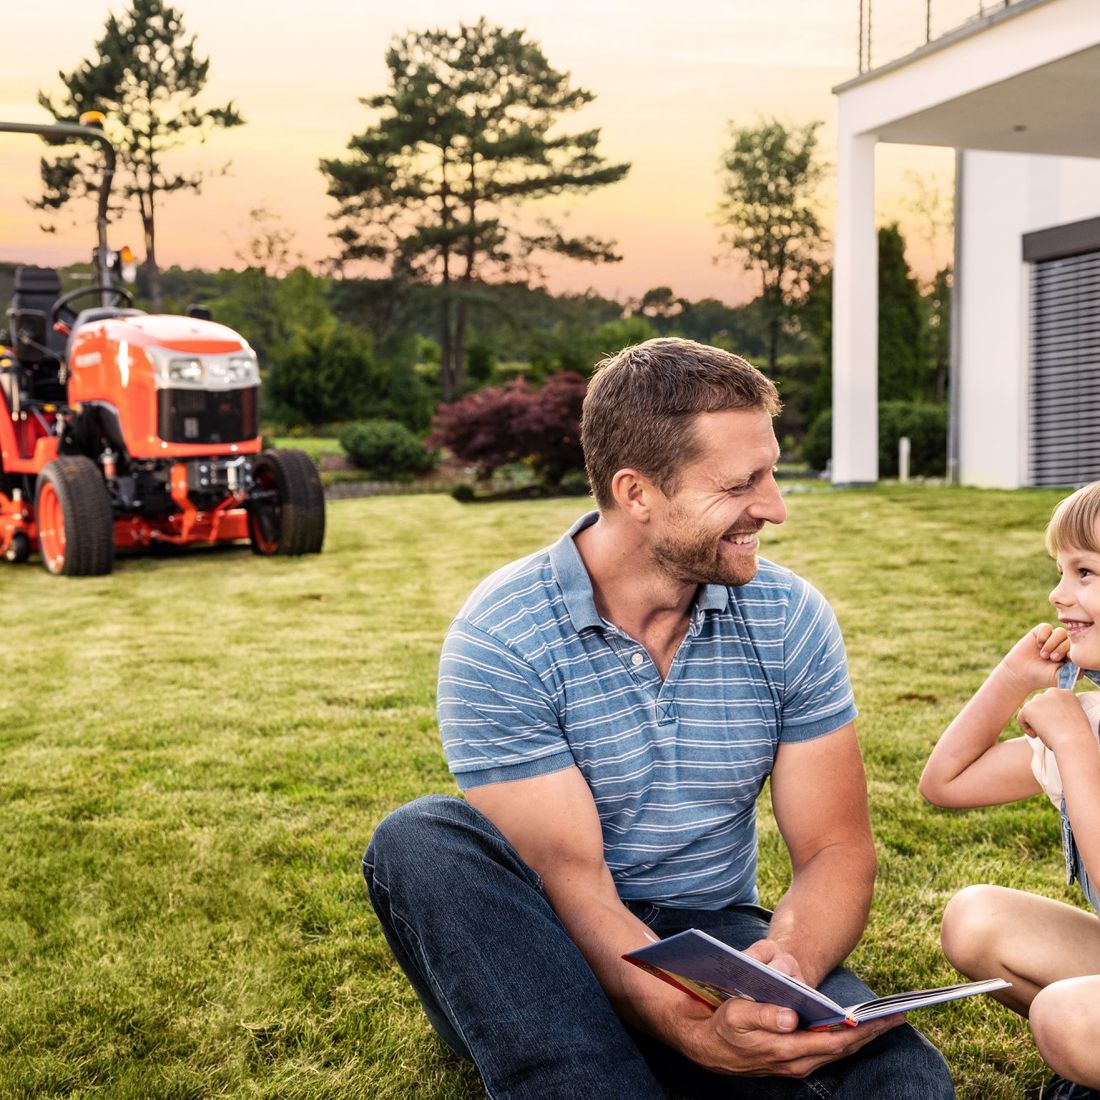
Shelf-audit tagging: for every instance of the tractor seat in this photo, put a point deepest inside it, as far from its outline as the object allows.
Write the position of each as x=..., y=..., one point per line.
x=36, y=290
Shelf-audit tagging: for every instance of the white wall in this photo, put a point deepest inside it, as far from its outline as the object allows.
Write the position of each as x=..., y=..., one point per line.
x=1003, y=196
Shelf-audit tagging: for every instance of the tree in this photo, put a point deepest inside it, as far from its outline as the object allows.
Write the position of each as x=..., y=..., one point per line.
x=937, y=320
x=145, y=76
x=660, y=306
x=270, y=244
x=932, y=205
x=464, y=135
x=326, y=373
x=768, y=215
x=901, y=364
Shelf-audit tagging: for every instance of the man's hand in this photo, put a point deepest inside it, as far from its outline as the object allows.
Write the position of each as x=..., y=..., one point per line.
x=1033, y=661
x=771, y=954
x=1056, y=717
x=747, y=1039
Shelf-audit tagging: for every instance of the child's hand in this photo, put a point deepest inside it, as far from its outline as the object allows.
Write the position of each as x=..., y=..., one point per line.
x=1055, y=717
x=1033, y=661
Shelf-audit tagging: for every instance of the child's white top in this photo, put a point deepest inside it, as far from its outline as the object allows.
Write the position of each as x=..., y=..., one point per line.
x=1043, y=765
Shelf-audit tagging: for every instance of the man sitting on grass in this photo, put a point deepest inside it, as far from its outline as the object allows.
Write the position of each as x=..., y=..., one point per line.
x=611, y=706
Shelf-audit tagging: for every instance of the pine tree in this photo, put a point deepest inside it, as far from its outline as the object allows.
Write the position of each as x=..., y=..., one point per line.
x=464, y=136
x=145, y=76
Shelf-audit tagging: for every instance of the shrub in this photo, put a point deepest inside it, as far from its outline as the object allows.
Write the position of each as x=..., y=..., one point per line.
x=517, y=423
x=575, y=484
x=817, y=444
x=925, y=425
x=385, y=448
x=325, y=373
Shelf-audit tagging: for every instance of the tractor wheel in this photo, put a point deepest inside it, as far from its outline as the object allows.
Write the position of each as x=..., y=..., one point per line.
x=76, y=530
x=19, y=549
x=290, y=519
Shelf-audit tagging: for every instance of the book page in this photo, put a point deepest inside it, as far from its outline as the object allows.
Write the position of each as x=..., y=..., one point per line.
x=921, y=998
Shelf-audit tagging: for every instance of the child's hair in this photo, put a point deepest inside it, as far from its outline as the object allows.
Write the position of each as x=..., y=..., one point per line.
x=1074, y=524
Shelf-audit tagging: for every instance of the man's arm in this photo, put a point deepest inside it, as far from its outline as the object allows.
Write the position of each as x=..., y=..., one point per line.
x=553, y=823
x=819, y=794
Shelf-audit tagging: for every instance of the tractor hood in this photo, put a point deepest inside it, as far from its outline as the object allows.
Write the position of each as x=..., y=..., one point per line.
x=182, y=334
x=181, y=352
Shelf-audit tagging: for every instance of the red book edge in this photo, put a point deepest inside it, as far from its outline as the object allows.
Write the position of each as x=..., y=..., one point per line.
x=665, y=976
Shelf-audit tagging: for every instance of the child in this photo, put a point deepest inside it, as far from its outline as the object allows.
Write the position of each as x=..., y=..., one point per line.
x=1050, y=951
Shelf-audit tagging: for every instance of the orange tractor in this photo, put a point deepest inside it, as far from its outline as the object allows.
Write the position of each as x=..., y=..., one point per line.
x=121, y=429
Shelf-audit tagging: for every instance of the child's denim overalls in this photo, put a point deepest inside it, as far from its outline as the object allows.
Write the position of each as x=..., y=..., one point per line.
x=1075, y=865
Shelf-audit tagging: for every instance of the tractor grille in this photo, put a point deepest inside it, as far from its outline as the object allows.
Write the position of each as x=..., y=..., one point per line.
x=202, y=416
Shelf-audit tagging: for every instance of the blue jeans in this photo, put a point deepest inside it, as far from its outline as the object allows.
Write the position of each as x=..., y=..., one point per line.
x=504, y=985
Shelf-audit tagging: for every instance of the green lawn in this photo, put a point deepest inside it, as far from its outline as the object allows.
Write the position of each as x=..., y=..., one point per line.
x=317, y=447
x=196, y=749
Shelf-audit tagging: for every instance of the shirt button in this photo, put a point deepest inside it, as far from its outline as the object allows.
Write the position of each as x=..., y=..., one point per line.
x=637, y=659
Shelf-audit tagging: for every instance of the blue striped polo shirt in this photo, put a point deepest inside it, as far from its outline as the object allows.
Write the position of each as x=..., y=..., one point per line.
x=532, y=680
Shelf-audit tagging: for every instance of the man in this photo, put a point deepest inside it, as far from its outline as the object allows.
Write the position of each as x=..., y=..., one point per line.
x=611, y=707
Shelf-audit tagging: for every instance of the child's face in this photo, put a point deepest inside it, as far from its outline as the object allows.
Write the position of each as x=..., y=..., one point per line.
x=1076, y=598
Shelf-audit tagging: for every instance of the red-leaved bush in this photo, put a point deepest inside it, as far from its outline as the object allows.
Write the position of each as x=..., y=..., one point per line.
x=516, y=423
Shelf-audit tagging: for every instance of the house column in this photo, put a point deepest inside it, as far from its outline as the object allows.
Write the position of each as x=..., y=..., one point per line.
x=855, y=315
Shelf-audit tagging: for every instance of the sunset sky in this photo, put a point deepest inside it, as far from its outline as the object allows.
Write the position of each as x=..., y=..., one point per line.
x=668, y=80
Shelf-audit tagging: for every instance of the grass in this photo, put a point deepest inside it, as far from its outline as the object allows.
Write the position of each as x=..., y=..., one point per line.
x=196, y=749
x=317, y=447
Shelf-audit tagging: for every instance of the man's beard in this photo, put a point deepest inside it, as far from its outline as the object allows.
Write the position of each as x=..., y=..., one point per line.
x=698, y=559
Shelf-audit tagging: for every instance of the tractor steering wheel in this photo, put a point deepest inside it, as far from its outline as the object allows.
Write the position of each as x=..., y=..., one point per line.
x=62, y=311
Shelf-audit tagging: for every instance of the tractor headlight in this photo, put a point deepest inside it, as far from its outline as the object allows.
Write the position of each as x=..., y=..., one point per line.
x=174, y=369
x=185, y=370
x=242, y=370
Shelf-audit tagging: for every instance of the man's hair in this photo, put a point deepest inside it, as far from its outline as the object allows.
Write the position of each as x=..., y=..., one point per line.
x=1074, y=522
x=641, y=404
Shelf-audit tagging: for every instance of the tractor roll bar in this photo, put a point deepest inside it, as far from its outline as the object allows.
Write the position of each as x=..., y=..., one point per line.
x=72, y=130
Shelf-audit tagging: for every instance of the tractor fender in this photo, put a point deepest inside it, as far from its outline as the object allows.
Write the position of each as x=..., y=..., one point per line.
x=94, y=425
x=45, y=450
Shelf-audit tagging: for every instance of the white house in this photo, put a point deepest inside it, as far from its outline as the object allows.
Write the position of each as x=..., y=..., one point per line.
x=1016, y=91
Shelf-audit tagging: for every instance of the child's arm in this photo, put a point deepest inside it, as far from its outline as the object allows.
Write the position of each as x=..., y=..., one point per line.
x=1058, y=718
x=968, y=766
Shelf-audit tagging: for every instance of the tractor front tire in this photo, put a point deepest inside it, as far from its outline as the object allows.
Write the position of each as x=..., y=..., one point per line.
x=290, y=517
x=19, y=549
x=72, y=511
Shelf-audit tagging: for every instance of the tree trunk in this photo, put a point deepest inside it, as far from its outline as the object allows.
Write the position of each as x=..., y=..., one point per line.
x=447, y=387
x=774, y=325
x=447, y=380
x=152, y=271
x=459, y=350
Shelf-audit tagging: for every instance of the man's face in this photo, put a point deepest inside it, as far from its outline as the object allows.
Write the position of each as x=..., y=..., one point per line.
x=706, y=533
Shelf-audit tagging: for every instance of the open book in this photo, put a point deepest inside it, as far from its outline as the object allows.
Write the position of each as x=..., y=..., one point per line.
x=712, y=972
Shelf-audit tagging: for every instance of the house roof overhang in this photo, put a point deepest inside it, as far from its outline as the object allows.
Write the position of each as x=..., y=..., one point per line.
x=1027, y=82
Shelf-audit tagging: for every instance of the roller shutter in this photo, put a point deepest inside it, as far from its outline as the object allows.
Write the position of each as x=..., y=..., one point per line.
x=1065, y=370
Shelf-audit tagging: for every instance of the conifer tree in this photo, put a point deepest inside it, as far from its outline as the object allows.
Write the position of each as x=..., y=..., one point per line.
x=463, y=137
x=145, y=76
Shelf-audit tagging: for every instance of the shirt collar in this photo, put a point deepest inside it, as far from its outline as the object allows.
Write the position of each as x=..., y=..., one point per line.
x=1068, y=673
x=576, y=585
x=572, y=577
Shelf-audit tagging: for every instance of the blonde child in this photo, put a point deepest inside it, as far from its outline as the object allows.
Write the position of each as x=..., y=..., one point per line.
x=1048, y=950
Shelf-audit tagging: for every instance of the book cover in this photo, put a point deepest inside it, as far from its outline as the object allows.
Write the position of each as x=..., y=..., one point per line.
x=712, y=972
